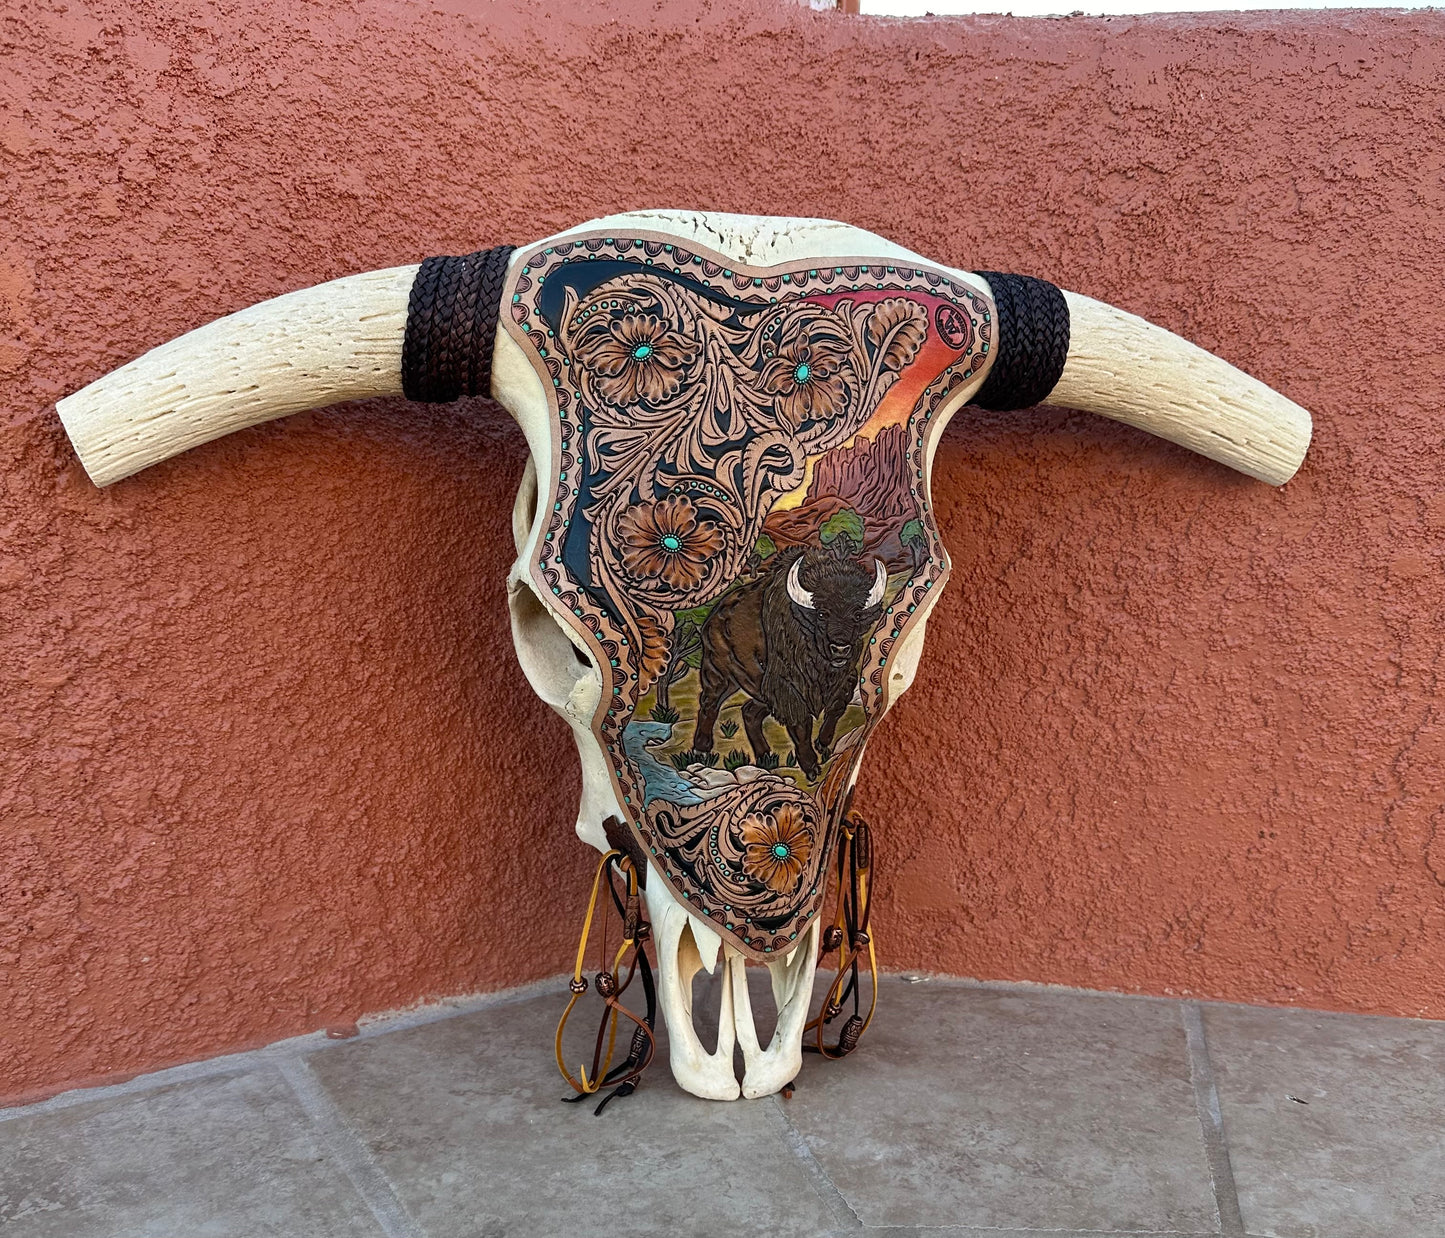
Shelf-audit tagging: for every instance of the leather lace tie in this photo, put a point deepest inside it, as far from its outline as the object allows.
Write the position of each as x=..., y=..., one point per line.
x=851, y=935
x=616, y=869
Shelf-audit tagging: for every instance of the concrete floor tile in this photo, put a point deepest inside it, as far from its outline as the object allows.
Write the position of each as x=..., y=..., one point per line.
x=1335, y=1123
x=969, y=1106
x=224, y=1157
x=464, y=1118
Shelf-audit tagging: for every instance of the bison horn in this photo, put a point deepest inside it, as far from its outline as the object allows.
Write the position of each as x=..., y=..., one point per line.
x=880, y=583
x=795, y=588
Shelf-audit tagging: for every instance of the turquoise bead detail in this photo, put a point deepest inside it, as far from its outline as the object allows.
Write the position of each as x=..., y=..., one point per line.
x=781, y=850
x=802, y=373
x=642, y=352
x=671, y=543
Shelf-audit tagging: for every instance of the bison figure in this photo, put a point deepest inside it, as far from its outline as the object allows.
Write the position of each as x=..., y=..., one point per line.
x=791, y=640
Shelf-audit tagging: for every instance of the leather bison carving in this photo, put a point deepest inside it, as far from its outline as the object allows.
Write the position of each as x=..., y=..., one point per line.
x=726, y=550
x=792, y=651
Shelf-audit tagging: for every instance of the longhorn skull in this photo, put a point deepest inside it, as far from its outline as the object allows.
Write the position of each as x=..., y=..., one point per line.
x=731, y=423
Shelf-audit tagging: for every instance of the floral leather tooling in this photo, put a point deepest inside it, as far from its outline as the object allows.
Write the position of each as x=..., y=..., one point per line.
x=740, y=533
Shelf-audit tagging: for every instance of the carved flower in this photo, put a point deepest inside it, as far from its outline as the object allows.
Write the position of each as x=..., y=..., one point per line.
x=776, y=847
x=636, y=358
x=666, y=540
x=811, y=374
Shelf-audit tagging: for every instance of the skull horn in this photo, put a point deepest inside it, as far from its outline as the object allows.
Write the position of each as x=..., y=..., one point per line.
x=308, y=349
x=344, y=341
x=795, y=588
x=880, y=584
x=1129, y=370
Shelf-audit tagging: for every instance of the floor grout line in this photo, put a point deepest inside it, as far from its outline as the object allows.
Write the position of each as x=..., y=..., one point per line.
x=350, y=1152
x=846, y=1220
x=1211, y=1122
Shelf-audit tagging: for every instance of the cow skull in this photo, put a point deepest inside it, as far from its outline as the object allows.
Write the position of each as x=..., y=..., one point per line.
x=589, y=651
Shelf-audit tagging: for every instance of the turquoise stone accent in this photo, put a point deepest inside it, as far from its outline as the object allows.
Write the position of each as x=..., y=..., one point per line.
x=781, y=850
x=671, y=543
x=642, y=352
x=802, y=372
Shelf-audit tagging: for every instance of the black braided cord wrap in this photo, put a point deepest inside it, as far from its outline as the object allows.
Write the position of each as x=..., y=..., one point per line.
x=1033, y=342
x=451, y=326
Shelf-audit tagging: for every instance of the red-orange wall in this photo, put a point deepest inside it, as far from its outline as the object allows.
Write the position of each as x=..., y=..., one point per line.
x=268, y=760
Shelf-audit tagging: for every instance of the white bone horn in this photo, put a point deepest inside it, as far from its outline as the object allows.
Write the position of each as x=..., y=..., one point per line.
x=880, y=584
x=801, y=596
x=308, y=349
x=1127, y=369
x=342, y=341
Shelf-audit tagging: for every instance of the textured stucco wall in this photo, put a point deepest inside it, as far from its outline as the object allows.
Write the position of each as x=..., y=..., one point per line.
x=268, y=761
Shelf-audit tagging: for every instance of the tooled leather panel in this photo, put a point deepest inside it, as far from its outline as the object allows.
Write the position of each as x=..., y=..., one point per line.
x=740, y=533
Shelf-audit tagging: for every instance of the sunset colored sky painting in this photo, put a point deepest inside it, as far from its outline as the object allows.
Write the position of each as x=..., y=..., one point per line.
x=894, y=409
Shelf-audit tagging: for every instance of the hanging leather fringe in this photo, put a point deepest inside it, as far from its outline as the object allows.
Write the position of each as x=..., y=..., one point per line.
x=615, y=868
x=851, y=935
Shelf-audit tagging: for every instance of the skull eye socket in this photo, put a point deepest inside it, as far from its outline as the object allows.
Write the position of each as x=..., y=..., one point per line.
x=552, y=663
